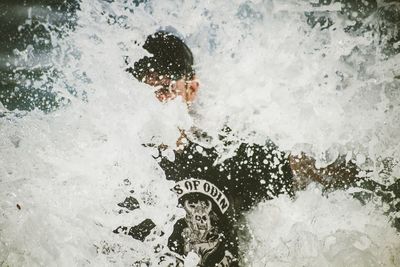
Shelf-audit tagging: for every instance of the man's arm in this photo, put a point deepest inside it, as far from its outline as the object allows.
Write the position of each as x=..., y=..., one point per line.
x=339, y=174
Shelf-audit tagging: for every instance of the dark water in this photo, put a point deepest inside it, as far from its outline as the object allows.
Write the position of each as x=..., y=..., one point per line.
x=26, y=25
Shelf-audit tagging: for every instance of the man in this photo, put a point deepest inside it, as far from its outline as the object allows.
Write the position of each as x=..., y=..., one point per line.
x=215, y=195
x=169, y=69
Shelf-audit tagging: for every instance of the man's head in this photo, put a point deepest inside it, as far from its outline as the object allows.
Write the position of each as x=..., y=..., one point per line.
x=170, y=69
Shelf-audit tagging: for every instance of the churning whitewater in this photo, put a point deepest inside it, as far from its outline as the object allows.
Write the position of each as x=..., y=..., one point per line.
x=328, y=89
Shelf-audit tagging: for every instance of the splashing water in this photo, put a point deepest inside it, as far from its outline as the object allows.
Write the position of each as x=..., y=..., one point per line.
x=326, y=89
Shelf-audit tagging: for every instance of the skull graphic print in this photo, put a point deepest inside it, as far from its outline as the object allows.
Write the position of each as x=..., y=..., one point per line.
x=201, y=230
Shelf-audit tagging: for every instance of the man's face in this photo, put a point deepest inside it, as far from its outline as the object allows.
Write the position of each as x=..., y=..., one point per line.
x=168, y=89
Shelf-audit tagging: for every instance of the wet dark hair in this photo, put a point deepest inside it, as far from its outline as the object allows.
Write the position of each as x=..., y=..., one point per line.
x=171, y=58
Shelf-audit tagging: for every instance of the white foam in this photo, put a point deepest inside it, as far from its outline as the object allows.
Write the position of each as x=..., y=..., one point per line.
x=315, y=230
x=263, y=70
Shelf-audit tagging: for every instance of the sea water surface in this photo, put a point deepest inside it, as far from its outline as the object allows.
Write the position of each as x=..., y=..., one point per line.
x=320, y=77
